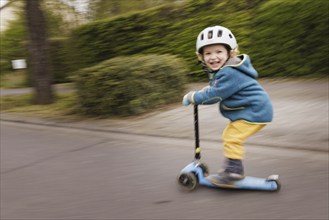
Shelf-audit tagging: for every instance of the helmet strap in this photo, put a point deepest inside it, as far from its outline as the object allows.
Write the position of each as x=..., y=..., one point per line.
x=208, y=71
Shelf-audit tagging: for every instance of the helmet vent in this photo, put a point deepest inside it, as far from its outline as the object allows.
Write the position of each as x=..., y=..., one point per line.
x=219, y=34
x=230, y=35
x=210, y=33
x=201, y=36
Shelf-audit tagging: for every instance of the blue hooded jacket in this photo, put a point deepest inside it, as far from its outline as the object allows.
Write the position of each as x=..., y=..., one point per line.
x=239, y=94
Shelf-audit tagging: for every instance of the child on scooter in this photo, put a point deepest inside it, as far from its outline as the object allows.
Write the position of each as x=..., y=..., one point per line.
x=234, y=86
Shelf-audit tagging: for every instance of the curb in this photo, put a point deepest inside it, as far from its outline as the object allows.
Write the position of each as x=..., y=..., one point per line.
x=52, y=123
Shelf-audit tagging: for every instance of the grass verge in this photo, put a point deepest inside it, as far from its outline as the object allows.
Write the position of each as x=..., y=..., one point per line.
x=64, y=105
x=15, y=79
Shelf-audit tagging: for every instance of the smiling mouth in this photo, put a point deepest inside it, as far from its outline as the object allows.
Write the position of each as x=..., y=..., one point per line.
x=215, y=64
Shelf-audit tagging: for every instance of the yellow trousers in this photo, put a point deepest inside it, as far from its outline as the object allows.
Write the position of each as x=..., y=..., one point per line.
x=235, y=134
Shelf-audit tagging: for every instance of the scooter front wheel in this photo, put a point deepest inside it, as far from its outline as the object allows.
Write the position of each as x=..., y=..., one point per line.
x=188, y=181
x=205, y=169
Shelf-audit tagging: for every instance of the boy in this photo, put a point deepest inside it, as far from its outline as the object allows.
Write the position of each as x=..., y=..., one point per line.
x=241, y=99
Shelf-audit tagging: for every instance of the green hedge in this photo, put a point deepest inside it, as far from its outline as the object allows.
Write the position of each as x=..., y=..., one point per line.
x=61, y=59
x=291, y=38
x=130, y=84
x=281, y=37
x=168, y=29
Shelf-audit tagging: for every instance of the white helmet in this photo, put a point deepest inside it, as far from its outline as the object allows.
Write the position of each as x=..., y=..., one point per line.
x=215, y=35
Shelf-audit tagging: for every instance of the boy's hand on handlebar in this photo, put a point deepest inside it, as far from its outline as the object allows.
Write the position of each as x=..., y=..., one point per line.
x=188, y=98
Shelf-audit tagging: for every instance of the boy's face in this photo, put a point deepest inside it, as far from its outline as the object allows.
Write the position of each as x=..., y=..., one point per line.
x=215, y=56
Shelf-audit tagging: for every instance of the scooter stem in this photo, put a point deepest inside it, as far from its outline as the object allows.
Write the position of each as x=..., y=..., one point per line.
x=197, y=153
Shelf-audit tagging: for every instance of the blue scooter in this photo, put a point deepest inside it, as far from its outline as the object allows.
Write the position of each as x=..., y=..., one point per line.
x=198, y=173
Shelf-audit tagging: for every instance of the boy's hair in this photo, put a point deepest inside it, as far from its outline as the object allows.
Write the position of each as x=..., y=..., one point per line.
x=232, y=52
x=235, y=52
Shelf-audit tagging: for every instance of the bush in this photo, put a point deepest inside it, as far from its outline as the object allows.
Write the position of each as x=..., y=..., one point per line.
x=130, y=85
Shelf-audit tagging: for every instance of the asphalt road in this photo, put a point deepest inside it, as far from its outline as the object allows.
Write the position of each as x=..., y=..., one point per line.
x=66, y=173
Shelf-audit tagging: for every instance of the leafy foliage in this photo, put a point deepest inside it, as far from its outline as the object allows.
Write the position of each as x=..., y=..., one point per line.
x=291, y=38
x=60, y=59
x=165, y=29
x=13, y=43
x=130, y=84
x=100, y=9
x=282, y=37
x=14, y=40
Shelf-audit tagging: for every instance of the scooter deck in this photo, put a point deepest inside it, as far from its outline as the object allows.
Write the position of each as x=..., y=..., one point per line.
x=221, y=182
x=194, y=173
x=248, y=182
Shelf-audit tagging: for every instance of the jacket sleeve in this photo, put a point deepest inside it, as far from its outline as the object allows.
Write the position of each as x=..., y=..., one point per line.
x=223, y=87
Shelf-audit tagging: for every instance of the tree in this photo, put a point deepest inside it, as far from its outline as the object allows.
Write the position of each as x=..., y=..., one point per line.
x=41, y=74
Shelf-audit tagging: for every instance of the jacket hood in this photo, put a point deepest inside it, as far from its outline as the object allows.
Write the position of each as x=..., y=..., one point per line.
x=243, y=64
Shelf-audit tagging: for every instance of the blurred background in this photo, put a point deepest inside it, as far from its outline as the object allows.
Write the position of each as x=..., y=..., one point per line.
x=283, y=38
x=91, y=114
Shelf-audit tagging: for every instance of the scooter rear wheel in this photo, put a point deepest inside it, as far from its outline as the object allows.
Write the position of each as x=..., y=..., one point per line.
x=188, y=181
x=278, y=184
x=275, y=178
